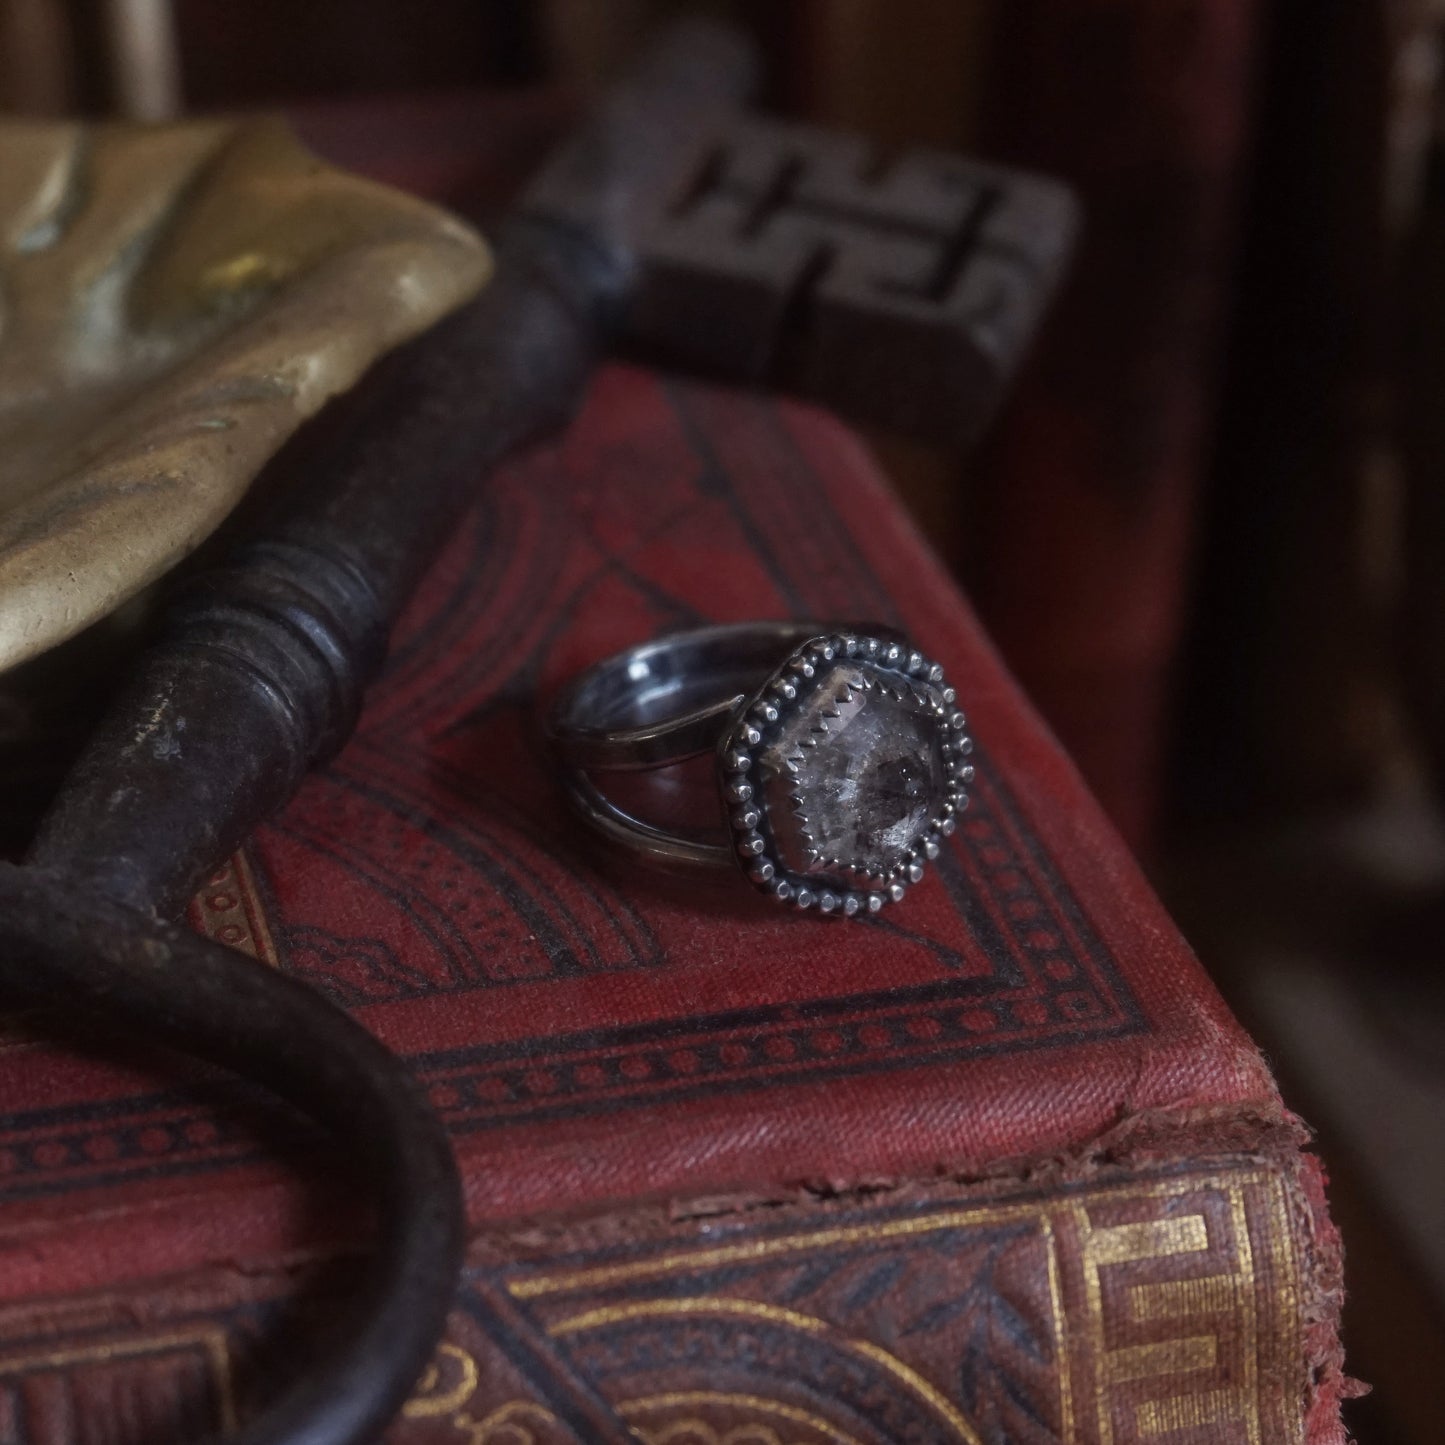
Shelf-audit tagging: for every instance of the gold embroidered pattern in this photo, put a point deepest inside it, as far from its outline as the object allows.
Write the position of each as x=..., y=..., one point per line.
x=447, y=1383
x=756, y=1251
x=1194, y=1231
x=688, y=1431
x=1205, y=1260
x=633, y=1411
x=509, y=1424
x=775, y=1314
x=754, y=1309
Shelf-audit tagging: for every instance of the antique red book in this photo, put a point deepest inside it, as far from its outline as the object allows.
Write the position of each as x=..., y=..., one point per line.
x=995, y=1165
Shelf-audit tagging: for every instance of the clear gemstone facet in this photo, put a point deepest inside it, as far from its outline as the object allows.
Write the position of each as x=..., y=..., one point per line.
x=852, y=777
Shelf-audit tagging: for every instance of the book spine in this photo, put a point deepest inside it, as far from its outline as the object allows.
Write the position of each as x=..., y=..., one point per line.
x=1089, y=487
x=1139, y=1305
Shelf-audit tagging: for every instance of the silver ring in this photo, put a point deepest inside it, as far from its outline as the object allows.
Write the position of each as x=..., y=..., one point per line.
x=840, y=757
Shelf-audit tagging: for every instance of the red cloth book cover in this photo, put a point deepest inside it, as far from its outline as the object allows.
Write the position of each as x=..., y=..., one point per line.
x=995, y=1165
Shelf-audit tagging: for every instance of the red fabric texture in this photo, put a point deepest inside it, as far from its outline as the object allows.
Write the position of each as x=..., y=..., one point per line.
x=646, y=1056
x=593, y=1033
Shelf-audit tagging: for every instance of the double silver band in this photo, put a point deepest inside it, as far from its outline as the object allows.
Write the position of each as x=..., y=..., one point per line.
x=840, y=757
x=660, y=703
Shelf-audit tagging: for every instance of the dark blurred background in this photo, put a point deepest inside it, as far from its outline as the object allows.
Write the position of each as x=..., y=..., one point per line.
x=1208, y=530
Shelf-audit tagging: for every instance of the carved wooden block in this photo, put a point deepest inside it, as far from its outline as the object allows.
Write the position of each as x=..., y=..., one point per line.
x=901, y=293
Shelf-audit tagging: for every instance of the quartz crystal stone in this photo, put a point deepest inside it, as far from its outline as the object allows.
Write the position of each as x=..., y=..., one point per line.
x=852, y=777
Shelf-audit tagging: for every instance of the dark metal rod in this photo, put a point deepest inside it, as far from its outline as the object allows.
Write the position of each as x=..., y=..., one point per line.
x=259, y=674
x=264, y=658
x=164, y=983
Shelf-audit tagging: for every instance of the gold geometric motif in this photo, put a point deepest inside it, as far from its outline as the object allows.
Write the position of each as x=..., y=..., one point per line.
x=1207, y=1260
x=1176, y=1298
x=1140, y=1254
x=1151, y=1239
x=1163, y=1357
x=699, y=1432
x=1188, y=1412
x=1192, y=1379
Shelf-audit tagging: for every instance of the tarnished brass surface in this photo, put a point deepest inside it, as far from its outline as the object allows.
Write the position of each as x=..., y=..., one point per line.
x=174, y=301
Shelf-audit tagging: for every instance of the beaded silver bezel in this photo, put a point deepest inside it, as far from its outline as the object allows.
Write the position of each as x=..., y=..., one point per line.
x=914, y=682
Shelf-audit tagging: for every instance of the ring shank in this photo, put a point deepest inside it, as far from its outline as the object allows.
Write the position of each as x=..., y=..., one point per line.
x=655, y=844
x=661, y=703
x=671, y=699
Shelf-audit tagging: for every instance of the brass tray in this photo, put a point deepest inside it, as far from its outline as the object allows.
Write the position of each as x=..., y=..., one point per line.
x=174, y=302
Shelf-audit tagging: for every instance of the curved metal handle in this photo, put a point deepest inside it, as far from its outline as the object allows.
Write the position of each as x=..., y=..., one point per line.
x=163, y=984
x=259, y=677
